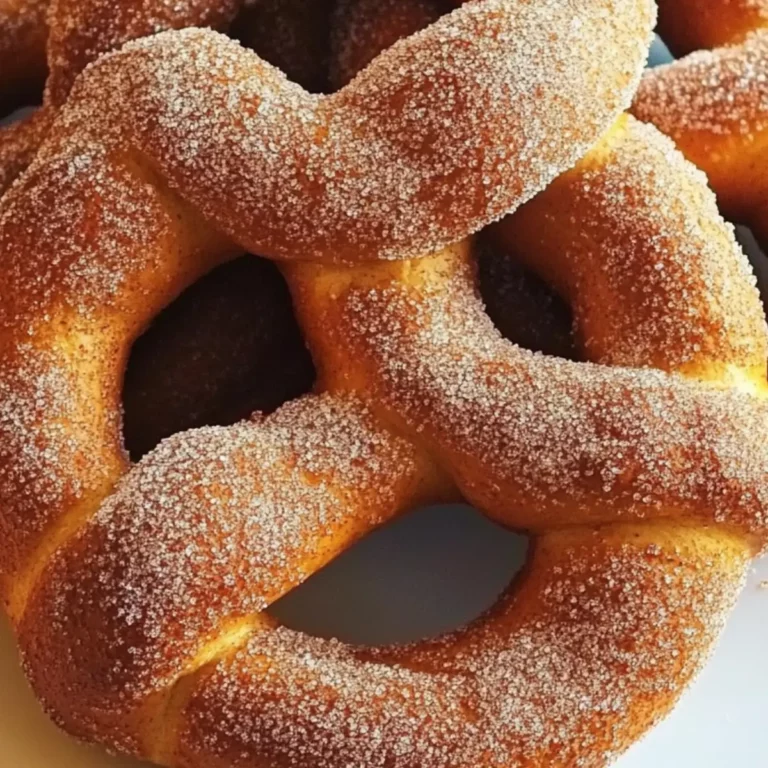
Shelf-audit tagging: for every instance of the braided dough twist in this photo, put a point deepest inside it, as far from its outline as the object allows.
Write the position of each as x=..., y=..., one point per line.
x=139, y=596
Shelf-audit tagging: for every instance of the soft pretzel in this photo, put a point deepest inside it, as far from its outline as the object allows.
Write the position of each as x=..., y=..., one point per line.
x=714, y=103
x=139, y=597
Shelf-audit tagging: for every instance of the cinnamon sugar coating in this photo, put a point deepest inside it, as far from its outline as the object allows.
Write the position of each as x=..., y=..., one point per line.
x=535, y=441
x=51, y=41
x=382, y=135
x=83, y=30
x=605, y=624
x=346, y=176
x=236, y=517
x=678, y=243
x=140, y=593
x=208, y=367
x=713, y=102
x=59, y=38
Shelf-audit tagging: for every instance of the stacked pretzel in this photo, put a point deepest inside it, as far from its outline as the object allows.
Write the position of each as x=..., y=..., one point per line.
x=714, y=103
x=140, y=593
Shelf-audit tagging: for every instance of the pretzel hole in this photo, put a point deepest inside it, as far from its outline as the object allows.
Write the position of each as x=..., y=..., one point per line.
x=429, y=572
x=293, y=35
x=22, y=90
x=524, y=308
x=228, y=346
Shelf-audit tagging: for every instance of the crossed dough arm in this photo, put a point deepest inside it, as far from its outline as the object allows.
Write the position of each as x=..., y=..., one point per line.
x=62, y=37
x=714, y=102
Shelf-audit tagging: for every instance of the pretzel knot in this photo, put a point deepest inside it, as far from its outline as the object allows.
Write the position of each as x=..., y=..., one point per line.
x=139, y=594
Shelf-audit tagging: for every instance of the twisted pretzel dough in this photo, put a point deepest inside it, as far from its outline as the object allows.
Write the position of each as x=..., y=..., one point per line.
x=289, y=34
x=71, y=34
x=524, y=308
x=714, y=103
x=635, y=177
x=139, y=598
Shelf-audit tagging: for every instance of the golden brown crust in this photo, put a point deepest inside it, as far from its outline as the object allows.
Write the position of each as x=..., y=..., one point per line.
x=521, y=306
x=294, y=35
x=304, y=483
x=66, y=424
x=510, y=691
x=714, y=103
x=67, y=35
x=83, y=30
x=687, y=25
x=146, y=628
x=638, y=202
x=543, y=442
x=386, y=143
x=210, y=376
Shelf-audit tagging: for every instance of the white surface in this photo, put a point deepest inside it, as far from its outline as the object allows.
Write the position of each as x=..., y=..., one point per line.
x=721, y=721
